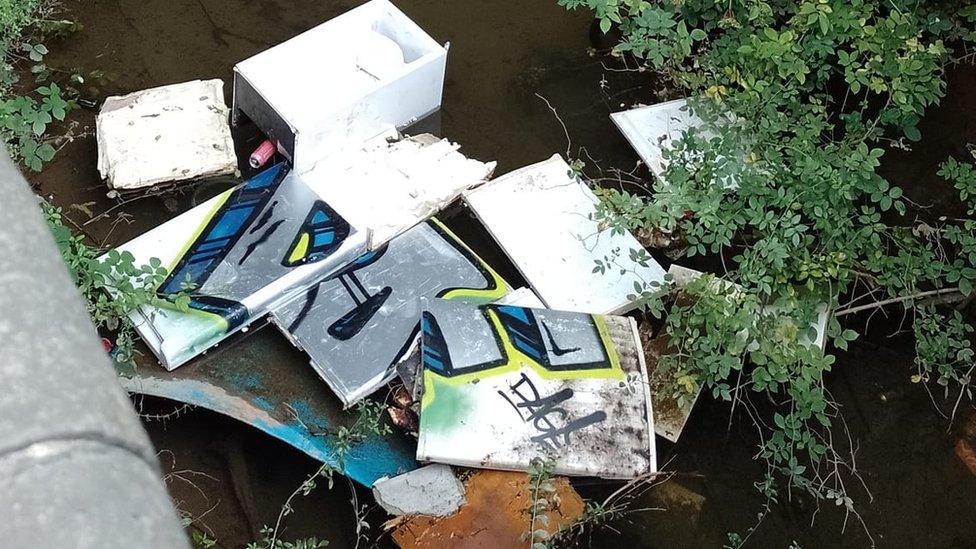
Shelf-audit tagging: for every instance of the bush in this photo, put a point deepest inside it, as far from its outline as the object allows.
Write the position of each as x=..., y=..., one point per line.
x=27, y=110
x=797, y=100
x=15, y=15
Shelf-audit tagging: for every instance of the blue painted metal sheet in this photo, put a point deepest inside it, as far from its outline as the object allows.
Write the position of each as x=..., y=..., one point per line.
x=267, y=384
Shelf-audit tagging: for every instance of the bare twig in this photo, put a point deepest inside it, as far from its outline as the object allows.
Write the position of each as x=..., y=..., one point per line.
x=894, y=300
x=569, y=142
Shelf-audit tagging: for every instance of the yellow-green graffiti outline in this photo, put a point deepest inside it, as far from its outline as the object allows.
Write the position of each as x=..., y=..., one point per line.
x=474, y=295
x=517, y=359
x=221, y=322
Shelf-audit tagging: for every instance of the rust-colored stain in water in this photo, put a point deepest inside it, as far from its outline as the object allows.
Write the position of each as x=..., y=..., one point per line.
x=495, y=515
x=966, y=445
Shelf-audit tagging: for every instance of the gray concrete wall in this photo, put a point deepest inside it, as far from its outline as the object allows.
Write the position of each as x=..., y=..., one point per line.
x=76, y=468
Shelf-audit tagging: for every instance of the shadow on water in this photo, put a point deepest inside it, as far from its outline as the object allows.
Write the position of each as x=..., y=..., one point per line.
x=503, y=53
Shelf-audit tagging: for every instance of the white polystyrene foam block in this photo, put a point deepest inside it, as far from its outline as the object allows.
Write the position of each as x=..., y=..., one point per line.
x=165, y=135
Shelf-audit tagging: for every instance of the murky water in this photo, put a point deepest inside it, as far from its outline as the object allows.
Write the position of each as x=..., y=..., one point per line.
x=503, y=53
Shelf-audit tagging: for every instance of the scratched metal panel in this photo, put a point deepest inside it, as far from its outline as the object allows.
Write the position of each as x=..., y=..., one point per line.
x=266, y=386
x=504, y=384
x=268, y=240
x=357, y=323
x=241, y=251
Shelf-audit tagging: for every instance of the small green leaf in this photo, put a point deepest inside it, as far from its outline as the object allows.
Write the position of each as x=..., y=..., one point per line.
x=965, y=286
x=45, y=152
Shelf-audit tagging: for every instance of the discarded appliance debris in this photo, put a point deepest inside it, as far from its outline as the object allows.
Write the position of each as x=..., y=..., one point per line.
x=360, y=321
x=431, y=490
x=165, y=136
x=497, y=514
x=339, y=247
x=504, y=384
x=255, y=247
x=320, y=93
x=542, y=216
x=386, y=188
x=287, y=401
x=652, y=129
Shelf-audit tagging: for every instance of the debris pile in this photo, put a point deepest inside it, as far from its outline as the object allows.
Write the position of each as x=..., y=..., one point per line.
x=337, y=243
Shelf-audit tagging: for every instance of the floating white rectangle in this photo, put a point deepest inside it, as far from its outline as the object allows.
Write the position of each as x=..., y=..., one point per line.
x=542, y=216
x=650, y=129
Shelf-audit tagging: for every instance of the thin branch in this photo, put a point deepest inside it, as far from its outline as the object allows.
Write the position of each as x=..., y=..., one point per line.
x=569, y=142
x=893, y=300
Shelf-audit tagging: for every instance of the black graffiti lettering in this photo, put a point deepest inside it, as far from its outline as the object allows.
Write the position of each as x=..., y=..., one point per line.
x=547, y=417
x=264, y=238
x=264, y=218
x=567, y=429
x=556, y=349
x=546, y=405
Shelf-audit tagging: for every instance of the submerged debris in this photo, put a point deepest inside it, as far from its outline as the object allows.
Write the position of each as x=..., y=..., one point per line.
x=497, y=514
x=651, y=129
x=285, y=400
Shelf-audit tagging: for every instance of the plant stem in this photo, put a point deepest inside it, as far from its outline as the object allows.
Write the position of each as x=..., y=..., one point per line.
x=877, y=304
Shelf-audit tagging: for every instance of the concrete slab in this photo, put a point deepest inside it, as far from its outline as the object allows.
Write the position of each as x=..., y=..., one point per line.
x=432, y=490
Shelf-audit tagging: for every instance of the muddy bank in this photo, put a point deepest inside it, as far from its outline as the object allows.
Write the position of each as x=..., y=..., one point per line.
x=503, y=53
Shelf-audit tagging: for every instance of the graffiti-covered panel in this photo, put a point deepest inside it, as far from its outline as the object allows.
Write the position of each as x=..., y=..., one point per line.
x=504, y=384
x=358, y=322
x=270, y=239
x=234, y=255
